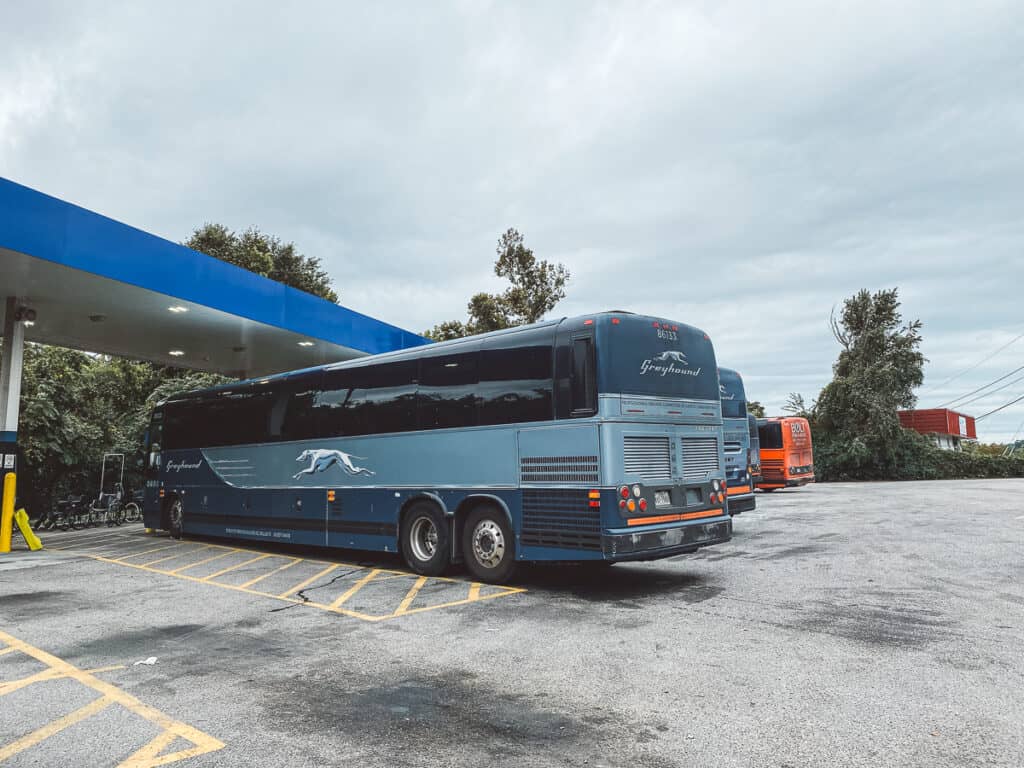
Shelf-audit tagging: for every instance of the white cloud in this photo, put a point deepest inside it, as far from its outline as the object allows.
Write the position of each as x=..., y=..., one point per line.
x=740, y=166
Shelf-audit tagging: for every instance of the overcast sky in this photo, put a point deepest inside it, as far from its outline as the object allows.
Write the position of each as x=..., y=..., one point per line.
x=740, y=166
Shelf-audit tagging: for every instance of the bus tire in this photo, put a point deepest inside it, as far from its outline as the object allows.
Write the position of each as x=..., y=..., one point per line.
x=488, y=545
x=425, y=539
x=176, y=518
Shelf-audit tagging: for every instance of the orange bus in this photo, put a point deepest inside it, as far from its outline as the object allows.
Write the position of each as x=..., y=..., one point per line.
x=787, y=460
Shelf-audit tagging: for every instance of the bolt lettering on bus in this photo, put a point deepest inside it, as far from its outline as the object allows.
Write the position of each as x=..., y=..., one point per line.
x=177, y=466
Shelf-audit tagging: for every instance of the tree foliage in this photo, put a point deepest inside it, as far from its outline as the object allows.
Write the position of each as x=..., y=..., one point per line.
x=75, y=407
x=535, y=287
x=755, y=408
x=878, y=367
x=265, y=255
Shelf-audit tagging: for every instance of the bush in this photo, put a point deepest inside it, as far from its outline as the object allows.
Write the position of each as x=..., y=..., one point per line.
x=911, y=457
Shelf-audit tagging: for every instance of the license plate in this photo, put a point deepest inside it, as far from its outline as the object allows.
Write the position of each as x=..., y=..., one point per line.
x=662, y=499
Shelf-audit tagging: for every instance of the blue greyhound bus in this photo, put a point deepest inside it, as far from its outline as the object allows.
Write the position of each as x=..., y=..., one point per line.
x=736, y=427
x=589, y=438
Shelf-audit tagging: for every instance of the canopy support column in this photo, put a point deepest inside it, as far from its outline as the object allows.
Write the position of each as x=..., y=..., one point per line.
x=11, y=356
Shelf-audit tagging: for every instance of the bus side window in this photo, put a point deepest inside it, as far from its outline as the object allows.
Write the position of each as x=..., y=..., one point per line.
x=447, y=391
x=584, y=377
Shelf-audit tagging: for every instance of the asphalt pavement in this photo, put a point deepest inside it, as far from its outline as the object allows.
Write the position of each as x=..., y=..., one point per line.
x=875, y=624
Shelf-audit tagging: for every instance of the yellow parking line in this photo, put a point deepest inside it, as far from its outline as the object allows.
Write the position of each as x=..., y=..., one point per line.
x=249, y=583
x=310, y=580
x=202, y=742
x=6, y=650
x=145, y=754
x=356, y=587
x=15, y=685
x=474, y=590
x=193, y=565
x=233, y=567
x=151, y=563
x=410, y=596
x=56, y=726
x=47, y=674
x=507, y=591
x=148, y=551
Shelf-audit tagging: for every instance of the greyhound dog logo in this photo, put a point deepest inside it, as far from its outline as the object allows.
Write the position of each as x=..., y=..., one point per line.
x=671, y=356
x=321, y=459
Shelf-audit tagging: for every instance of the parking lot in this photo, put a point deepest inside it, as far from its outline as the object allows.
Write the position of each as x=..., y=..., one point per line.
x=845, y=624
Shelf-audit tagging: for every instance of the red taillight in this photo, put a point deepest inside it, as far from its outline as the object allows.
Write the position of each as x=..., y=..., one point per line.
x=643, y=505
x=622, y=504
x=624, y=491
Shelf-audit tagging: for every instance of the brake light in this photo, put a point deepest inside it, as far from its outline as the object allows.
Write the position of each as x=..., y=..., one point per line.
x=624, y=491
x=643, y=505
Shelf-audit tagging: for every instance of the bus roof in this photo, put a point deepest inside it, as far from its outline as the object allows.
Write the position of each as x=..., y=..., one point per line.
x=416, y=352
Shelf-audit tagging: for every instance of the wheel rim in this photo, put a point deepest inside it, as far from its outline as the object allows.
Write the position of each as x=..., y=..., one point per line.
x=176, y=515
x=423, y=538
x=488, y=544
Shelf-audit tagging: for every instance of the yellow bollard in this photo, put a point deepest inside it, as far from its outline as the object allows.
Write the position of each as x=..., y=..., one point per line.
x=7, y=513
x=21, y=518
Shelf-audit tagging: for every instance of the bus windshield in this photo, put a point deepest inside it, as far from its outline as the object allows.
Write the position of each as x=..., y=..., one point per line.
x=734, y=399
x=644, y=357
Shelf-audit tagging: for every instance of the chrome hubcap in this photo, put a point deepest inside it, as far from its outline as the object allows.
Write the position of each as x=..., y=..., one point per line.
x=423, y=538
x=488, y=544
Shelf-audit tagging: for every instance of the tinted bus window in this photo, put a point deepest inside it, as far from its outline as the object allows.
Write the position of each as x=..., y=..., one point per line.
x=516, y=384
x=447, y=391
x=235, y=417
x=584, y=377
x=770, y=434
x=734, y=399
x=644, y=359
x=292, y=415
x=382, y=399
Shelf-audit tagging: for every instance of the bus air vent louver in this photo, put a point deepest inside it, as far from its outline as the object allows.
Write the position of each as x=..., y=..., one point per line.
x=700, y=458
x=647, y=457
x=559, y=469
x=558, y=518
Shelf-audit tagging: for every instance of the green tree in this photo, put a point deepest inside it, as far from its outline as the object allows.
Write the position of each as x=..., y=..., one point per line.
x=754, y=407
x=535, y=287
x=878, y=367
x=265, y=255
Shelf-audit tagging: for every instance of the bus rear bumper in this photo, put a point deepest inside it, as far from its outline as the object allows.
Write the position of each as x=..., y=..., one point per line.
x=744, y=503
x=664, y=542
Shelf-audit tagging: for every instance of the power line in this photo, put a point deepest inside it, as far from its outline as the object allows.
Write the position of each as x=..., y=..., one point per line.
x=986, y=386
x=956, y=376
x=1001, y=407
x=983, y=395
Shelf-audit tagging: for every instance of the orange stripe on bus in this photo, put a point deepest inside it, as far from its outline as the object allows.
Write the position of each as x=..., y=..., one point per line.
x=738, y=489
x=674, y=518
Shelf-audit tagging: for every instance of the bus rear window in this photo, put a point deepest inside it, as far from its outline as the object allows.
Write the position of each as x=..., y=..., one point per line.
x=770, y=434
x=639, y=357
x=733, y=396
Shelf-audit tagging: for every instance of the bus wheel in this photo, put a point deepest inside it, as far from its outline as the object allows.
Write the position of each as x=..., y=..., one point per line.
x=176, y=519
x=424, y=539
x=488, y=546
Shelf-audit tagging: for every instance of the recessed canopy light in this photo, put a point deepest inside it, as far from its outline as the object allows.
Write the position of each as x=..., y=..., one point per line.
x=177, y=308
x=176, y=352
x=29, y=323
x=305, y=343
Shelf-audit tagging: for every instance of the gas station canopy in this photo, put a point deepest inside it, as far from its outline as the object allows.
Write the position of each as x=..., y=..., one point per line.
x=98, y=285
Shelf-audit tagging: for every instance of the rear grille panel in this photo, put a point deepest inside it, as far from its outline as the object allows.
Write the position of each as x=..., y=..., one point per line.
x=560, y=518
x=700, y=458
x=558, y=469
x=647, y=457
